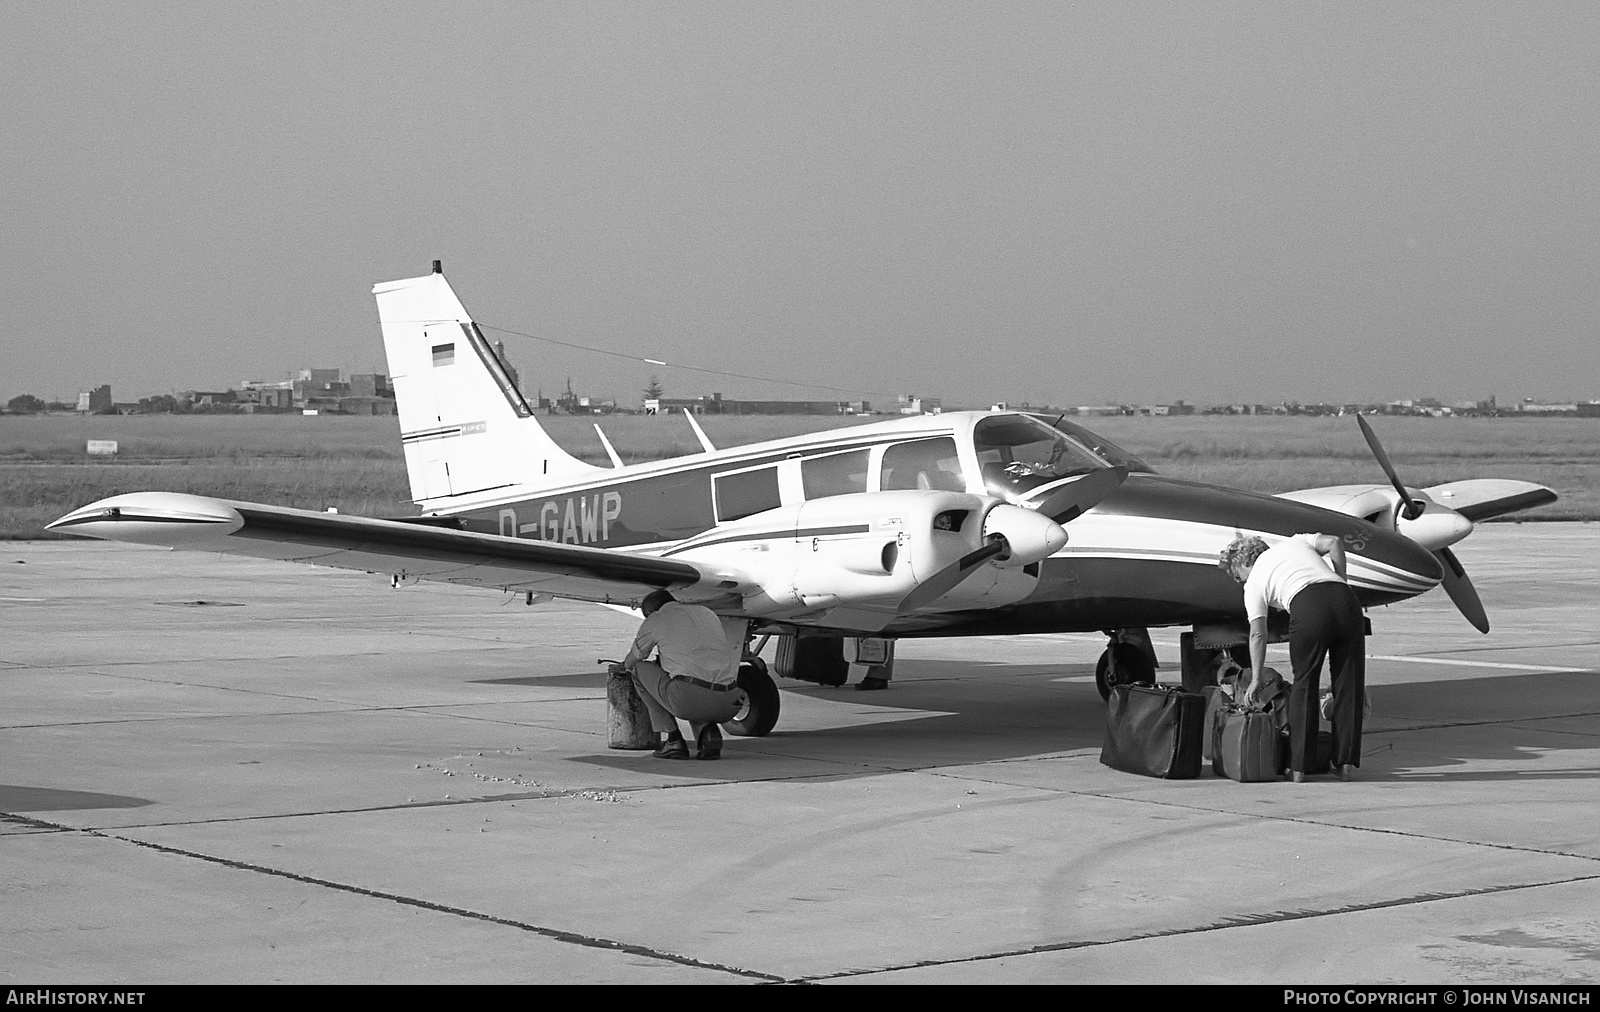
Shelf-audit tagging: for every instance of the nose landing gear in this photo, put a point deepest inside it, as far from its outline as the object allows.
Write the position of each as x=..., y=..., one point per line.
x=1129, y=659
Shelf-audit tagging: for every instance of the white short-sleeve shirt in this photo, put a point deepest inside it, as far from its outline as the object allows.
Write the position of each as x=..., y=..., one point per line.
x=1283, y=571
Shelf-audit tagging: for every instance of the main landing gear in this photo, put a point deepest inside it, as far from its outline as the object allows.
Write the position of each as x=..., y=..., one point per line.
x=762, y=702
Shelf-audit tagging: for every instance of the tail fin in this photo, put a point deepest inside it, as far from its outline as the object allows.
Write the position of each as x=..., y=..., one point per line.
x=466, y=428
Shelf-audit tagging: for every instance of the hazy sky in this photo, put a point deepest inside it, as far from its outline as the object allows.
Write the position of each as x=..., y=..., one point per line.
x=1061, y=203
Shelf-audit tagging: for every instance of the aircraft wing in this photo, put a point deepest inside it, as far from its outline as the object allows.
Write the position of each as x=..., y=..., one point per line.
x=1481, y=498
x=408, y=550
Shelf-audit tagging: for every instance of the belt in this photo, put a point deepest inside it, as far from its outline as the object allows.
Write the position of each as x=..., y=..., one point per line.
x=713, y=686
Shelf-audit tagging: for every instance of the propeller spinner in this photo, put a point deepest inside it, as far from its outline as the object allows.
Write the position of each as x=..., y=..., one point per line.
x=1020, y=535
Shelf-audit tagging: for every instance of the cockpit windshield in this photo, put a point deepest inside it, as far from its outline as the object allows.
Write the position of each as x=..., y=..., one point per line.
x=1099, y=445
x=1018, y=453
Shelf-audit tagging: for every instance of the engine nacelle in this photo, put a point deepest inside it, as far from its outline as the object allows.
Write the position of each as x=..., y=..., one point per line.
x=869, y=550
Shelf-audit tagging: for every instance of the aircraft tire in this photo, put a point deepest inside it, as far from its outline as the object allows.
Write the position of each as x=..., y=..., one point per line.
x=1133, y=668
x=762, y=702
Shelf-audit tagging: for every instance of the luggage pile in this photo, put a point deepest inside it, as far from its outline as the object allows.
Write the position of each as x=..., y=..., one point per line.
x=1162, y=731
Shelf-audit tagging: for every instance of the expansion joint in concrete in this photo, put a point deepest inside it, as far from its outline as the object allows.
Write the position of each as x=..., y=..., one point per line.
x=556, y=934
x=1250, y=920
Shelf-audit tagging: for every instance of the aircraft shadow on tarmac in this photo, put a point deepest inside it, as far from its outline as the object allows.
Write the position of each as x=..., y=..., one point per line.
x=15, y=798
x=1434, y=731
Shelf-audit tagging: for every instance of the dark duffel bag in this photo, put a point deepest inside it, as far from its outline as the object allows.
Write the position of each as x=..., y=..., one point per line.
x=1155, y=732
x=1244, y=745
x=1321, y=753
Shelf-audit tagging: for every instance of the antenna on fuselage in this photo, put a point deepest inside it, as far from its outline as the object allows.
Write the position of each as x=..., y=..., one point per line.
x=611, y=452
x=698, y=431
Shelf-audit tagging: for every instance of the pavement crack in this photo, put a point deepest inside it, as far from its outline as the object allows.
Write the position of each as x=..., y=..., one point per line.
x=556, y=934
x=1247, y=920
x=1332, y=824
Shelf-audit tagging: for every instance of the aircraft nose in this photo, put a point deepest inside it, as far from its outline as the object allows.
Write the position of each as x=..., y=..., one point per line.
x=1030, y=536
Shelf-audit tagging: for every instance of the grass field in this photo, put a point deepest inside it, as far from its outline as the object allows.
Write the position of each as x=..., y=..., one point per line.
x=355, y=464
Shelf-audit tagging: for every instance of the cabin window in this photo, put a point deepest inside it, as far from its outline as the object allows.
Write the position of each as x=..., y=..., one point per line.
x=835, y=474
x=924, y=464
x=744, y=493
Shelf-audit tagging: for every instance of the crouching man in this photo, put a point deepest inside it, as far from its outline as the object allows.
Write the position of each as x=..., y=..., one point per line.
x=694, y=676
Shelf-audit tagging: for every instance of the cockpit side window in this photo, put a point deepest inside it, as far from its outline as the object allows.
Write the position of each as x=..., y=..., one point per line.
x=1018, y=453
x=923, y=464
x=835, y=474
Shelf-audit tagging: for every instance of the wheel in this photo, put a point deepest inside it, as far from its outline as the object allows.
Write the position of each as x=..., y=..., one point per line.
x=1133, y=668
x=762, y=702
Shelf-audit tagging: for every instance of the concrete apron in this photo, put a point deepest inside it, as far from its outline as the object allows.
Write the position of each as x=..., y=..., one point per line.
x=311, y=777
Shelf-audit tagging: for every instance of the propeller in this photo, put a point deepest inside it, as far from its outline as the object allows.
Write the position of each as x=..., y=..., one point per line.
x=1456, y=583
x=1461, y=590
x=1071, y=500
x=948, y=578
x=1409, y=508
x=1026, y=526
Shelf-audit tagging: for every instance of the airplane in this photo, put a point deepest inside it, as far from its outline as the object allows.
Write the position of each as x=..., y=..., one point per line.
x=837, y=544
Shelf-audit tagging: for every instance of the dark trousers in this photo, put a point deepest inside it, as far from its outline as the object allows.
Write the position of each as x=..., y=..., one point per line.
x=1325, y=621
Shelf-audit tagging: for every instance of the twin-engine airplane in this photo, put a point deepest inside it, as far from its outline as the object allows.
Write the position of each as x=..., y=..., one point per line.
x=960, y=524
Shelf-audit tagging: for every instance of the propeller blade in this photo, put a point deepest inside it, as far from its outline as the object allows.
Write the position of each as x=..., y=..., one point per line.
x=1461, y=590
x=948, y=578
x=1069, y=502
x=1409, y=507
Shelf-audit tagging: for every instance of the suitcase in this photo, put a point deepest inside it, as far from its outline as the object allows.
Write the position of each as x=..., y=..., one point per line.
x=1216, y=701
x=1244, y=745
x=1154, y=731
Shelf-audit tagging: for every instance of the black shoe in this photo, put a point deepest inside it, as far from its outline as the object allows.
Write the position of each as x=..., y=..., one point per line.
x=868, y=684
x=709, y=742
x=673, y=748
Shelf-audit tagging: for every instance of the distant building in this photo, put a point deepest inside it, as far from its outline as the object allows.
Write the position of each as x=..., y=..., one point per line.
x=1532, y=407
x=910, y=404
x=319, y=377
x=97, y=401
x=208, y=400
x=716, y=404
x=257, y=395
x=374, y=384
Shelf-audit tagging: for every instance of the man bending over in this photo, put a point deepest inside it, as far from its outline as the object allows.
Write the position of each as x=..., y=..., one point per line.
x=694, y=676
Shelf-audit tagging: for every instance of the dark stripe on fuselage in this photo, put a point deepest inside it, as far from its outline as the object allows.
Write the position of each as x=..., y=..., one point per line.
x=767, y=535
x=1093, y=594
